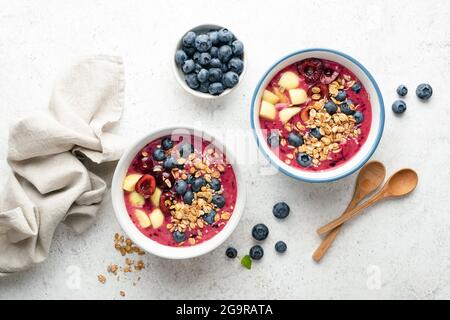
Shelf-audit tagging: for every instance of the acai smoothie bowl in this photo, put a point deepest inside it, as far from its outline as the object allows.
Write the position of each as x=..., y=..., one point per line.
x=177, y=193
x=317, y=115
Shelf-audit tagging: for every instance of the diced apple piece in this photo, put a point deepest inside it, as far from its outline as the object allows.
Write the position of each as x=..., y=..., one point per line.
x=298, y=96
x=156, y=218
x=288, y=113
x=136, y=199
x=155, y=197
x=267, y=111
x=289, y=80
x=142, y=218
x=270, y=97
x=130, y=181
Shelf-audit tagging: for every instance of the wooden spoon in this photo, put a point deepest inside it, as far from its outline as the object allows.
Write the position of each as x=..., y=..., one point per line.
x=399, y=184
x=369, y=179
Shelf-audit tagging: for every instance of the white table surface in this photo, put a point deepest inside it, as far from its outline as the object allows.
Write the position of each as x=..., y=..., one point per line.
x=399, y=249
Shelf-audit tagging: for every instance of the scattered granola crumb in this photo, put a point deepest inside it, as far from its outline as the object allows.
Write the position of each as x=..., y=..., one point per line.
x=122, y=293
x=101, y=278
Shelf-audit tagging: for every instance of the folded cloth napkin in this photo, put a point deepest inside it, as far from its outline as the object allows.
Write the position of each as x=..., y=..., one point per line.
x=48, y=183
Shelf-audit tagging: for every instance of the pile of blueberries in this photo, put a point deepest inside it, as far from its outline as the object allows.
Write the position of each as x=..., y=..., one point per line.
x=423, y=91
x=212, y=61
x=260, y=232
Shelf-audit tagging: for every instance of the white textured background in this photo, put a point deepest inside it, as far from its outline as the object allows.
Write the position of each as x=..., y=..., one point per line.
x=405, y=241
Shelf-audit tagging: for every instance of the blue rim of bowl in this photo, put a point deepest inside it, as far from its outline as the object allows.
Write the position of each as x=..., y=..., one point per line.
x=380, y=130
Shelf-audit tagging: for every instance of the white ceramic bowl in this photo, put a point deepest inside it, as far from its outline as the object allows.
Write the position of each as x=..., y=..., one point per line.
x=179, y=75
x=148, y=244
x=376, y=131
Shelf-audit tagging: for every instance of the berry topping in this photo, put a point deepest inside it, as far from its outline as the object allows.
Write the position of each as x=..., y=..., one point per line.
x=303, y=159
x=170, y=163
x=179, y=236
x=341, y=95
x=188, y=197
x=181, y=187
x=167, y=196
x=329, y=74
x=198, y=183
x=167, y=143
x=359, y=117
x=311, y=70
x=295, y=139
x=209, y=217
x=218, y=200
x=356, y=87
x=345, y=108
x=164, y=179
x=331, y=107
x=159, y=154
x=146, y=185
x=215, y=184
x=315, y=132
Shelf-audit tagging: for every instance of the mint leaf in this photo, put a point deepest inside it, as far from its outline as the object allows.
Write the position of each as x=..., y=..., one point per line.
x=246, y=261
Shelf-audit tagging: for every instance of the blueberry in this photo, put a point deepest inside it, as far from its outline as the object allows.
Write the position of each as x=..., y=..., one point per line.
x=181, y=187
x=186, y=149
x=215, y=63
x=196, y=56
x=205, y=58
x=224, y=67
x=198, y=67
x=399, y=106
x=424, y=91
x=203, y=43
x=192, y=81
x=295, y=139
x=189, y=39
x=167, y=143
x=256, y=252
x=170, y=163
x=237, y=47
x=236, y=65
x=215, y=74
x=204, y=87
x=225, y=53
x=218, y=200
x=216, y=88
x=180, y=57
x=357, y=87
x=402, y=90
x=273, y=139
x=214, y=36
x=345, y=108
x=225, y=35
x=341, y=95
x=189, y=179
x=230, y=79
x=203, y=75
x=280, y=247
x=215, y=184
x=188, y=197
x=315, y=132
x=260, y=231
x=281, y=210
x=190, y=51
x=359, y=117
x=198, y=183
x=214, y=52
x=188, y=66
x=231, y=252
x=159, y=154
x=303, y=159
x=331, y=107
x=209, y=217
x=179, y=236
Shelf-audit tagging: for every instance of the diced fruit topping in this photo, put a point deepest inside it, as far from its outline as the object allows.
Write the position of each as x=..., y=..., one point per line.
x=273, y=139
x=156, y=218
x=289, y=80
x=288, y=113
x=142, y=218
x=136, y=199
x=399, y=106
x=260, y=232
x=155, y=197
x=311, y=69
x=402, y=90
x=231, y=252
x=281, y=210
x=424, y=91
x=298, y=96
x=270, y=97
x=130, y=182
x=146, y=185
x=256, y=252
x=267, y=111
x=295, y=139
x=303, y=159
x=280, y=247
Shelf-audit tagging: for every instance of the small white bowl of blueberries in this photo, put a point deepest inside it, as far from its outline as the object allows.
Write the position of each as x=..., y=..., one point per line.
x=209, y=61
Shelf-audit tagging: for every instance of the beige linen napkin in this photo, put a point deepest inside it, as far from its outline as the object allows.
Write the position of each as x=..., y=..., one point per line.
x=48, y=183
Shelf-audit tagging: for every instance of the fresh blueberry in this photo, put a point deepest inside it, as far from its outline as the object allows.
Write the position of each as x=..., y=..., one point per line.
x=209, y=217
x=225, y=53
x=236, y=65
x=280, y=247
x=159, y=154
x=273, y=139
x=315, y=132
x=204, y=59
x=224, y=67
x=225, y=35
x=231, y=252
x=341, y=95
x=281, y=210
x=424, y=91
x=402, y=90
x=204, y=87
x=166, y=143
x=203, y=43
x=186, y=149
x=203, y=75
x=192, y=81
x=188, y=66
x=331, y=107
x=238, y=47
x=188, y=197
x=179, y=236
x=256, y=252
x=357, y=87
x=170, y=163
x=198, y=67
x=399, y=106
x=295, y=139
x=190, y=51
x=345, y=108
x=215, y=63
x=198, y=183
x=189, y=39
x=181, y=187
x=215, y=184
x=214, y=52
x=218, y=200
x=180, y=57
x=216, y=88
x=215, y=75
x=196, y=56
x=303, y=159
x=359, y=117
x=214, y=36
x=190, y=178
x=260, y=231
x=230, y=79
